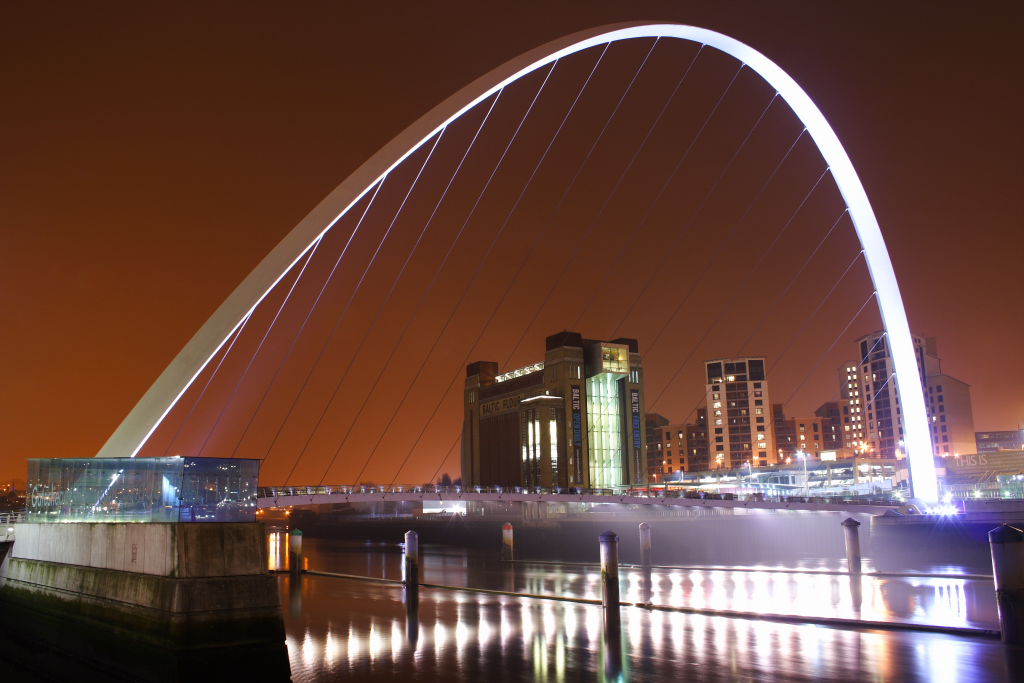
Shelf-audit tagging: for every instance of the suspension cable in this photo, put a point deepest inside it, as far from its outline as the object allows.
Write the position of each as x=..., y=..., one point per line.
x=479, y=198
x=508, y=288
x=259, y=347
x=309, y=315
x=209, y=380
x=359, y=284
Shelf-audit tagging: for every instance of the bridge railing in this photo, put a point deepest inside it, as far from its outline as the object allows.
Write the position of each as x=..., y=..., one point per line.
x=7, y=522
x=9, y=518
x=458, y=491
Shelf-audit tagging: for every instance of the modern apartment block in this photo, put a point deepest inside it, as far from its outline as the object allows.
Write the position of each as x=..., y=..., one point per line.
x=740, y=428
x=837, y=423
x=797, y=435
x=655, y=424
x=876, y=426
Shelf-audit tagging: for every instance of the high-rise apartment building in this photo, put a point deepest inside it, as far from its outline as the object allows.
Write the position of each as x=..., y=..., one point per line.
x=740, y=427
x=654, y=430
x=837, y=425
x=575, y=419
x=698, y=456
x=671, y=445
x=876, y=426
x=950, y=415
x=797, y=435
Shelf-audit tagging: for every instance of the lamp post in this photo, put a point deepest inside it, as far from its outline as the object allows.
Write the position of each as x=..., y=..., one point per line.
x=803, y=456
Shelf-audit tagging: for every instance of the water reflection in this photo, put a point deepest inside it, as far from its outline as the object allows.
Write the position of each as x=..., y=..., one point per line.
x=359, y=630
x=928, y=600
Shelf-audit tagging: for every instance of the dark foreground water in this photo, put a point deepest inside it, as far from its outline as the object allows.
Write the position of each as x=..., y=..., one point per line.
x=340, y=629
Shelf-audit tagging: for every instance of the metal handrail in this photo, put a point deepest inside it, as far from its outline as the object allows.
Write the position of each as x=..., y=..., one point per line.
x=287, y=491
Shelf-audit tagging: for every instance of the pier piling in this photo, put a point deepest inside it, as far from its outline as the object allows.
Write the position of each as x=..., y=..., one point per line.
x=851, y=530
x=1006, y=544
x=295, y=559
x=507, y=543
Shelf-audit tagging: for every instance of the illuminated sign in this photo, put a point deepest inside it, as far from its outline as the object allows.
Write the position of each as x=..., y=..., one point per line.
x=828, y=455
x=577, y=417
x=634, y=401
x=499, y=406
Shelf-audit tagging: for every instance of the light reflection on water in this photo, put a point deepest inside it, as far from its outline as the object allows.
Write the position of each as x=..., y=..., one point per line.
x=357, y=629
x=927, y=600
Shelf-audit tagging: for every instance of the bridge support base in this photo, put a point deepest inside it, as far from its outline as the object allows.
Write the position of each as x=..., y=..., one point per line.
x=177, y=591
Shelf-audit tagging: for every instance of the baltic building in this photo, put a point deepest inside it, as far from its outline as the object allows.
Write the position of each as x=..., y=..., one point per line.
x=575, y=419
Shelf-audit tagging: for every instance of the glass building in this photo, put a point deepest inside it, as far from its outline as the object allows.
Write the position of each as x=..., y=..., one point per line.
x=172, y=489
x=573, y=420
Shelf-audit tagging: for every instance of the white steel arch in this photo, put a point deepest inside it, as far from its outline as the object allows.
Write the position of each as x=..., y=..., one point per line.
x=161, y=397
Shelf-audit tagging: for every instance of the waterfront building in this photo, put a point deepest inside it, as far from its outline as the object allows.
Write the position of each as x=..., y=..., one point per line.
x=991, y=474
x=698, y=455
x=797, y=435
x=738, y=404
x=854, y=432
x=574, y=419
x=876, y=426
x=655, y=424
x=1005, y=440
x=836, y=425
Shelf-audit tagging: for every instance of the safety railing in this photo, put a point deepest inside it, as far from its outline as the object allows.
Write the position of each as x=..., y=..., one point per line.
x=458, y=491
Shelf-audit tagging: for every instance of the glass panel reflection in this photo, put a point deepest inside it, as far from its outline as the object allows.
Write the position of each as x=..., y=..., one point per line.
x=168, y=489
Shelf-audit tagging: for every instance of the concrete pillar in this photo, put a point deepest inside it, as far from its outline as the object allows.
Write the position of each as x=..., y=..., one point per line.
x=411, y=568
x=295, y=558
x=1007, y=546
x=851, y=529
x=507, y=543
x=645, y=544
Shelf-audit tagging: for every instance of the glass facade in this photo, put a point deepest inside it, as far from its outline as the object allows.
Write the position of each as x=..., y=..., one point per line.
x=172, y=489
x=604, y=430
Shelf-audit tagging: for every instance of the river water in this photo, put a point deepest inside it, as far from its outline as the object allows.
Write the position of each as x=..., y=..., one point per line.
x=343, y=629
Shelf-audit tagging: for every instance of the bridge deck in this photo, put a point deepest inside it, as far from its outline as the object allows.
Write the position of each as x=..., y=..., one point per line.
x=283, y=497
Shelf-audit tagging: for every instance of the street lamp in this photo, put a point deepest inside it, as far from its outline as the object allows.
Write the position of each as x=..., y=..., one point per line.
x=803, y=456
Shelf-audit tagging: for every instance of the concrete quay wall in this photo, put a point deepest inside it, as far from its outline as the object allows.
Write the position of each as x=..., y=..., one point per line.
x=163, y=549
x=176, y=586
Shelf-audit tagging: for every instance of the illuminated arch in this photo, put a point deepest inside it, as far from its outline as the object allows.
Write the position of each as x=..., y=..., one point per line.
x=161, y=397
